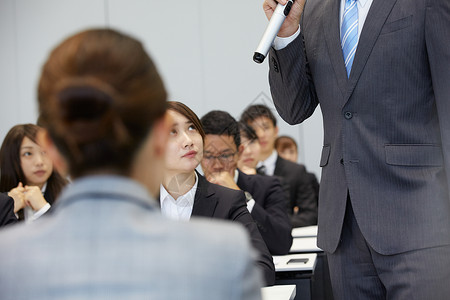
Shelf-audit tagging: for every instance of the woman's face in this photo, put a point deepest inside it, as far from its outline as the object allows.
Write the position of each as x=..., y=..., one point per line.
x=184, y=147
x=250, y=154
x=289, y=153
x=36, y=165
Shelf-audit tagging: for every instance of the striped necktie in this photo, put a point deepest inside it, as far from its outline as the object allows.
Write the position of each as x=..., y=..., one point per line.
x=349, y=33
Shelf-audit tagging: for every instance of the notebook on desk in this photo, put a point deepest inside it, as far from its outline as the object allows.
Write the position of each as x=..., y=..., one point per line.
x=295, y=262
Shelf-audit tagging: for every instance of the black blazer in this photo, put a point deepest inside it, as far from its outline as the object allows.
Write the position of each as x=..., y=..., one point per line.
x=7, y=215
x=269, y=211
x=301, y=192
x=215, y=201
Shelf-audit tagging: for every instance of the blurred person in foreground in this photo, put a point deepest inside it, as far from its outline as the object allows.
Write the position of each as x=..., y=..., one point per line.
x=103, y=105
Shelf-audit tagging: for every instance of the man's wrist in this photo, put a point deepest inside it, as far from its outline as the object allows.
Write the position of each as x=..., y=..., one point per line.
x=281, y=42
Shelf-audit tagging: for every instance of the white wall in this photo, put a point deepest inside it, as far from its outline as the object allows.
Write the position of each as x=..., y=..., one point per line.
x=202, y=48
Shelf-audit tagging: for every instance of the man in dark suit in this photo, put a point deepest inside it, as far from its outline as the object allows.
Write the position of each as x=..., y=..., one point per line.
x=302, y=204
x=384, y=213
x=217, y=202
x=6, y=210
x=264, y=195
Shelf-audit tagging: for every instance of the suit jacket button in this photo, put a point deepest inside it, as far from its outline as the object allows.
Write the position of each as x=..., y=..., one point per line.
x=342, y=161
x=348, y=115
x=275, y=65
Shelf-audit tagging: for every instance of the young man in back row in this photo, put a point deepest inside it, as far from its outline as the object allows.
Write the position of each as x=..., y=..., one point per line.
x=265, y=197
x=302, y=204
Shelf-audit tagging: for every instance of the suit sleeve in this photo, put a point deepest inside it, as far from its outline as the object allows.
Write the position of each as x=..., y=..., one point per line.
x=437, y=35
x=7, y=215
x=291, y=84
x=271, y=218
x=240, y=214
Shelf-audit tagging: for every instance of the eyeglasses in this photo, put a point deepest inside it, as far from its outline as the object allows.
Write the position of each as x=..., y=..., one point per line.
x=223, y=158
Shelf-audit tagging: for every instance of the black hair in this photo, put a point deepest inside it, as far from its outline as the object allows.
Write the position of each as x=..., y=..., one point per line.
x=219, y=122
x=247, y=131
x=188, y=113
x=258, y=110
x=99, y=95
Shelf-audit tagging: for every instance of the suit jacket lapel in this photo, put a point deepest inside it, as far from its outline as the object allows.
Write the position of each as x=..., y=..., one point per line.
x=278, y=171
x=204, y=202
x=378, y=13
x=333, y=40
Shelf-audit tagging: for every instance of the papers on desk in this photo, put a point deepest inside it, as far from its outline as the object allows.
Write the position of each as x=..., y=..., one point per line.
x=307, y=231
x=304, y=245
x=295, y=262
x=279, y=292
x=305, y=240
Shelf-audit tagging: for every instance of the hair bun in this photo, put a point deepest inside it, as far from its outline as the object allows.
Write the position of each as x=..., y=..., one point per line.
x=83, y=103
x=86, y=111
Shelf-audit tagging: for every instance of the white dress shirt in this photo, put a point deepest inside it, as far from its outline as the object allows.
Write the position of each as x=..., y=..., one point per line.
x=269, y=163
x=30, y=215
x=363, y=9
x=181, y=208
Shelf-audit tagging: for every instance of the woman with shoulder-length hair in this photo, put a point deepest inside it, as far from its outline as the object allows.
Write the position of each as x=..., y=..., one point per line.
x=103, y=106
x=27, y=173
x=185, y=193
x=248, y=160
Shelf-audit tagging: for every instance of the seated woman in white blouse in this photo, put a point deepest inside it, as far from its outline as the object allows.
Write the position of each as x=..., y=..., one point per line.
x=185, y=193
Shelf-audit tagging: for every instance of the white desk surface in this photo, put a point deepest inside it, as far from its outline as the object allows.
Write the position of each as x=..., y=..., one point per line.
x=304, y=245
x=307, y=231
x=278, y=292
x=282, y=263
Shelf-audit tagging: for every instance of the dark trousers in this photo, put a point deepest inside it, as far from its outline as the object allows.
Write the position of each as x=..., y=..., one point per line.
x=358, y=272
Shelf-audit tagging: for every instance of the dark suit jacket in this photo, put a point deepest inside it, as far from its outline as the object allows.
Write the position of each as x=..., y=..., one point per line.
x=315, y=185
x=301, y=192
x=7, y=215
x=269, y=211
x=386, y=127
x=215, y=201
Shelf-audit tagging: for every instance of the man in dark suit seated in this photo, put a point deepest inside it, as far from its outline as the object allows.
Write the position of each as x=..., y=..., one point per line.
x=302, y=204
x=264, y=194
x=6, y=210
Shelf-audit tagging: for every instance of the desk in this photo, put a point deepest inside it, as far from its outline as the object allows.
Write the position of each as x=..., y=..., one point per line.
x=296, y=269
x=307, y=231
x=321, y=283
x=305, y=245
x=285, y=263
x=278, y=292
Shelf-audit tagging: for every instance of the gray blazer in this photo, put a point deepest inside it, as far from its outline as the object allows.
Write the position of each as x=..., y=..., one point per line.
x=386, y=128
x=106, y=239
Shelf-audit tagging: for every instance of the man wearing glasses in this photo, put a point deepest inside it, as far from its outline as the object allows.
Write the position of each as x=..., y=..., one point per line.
x=264, y=194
